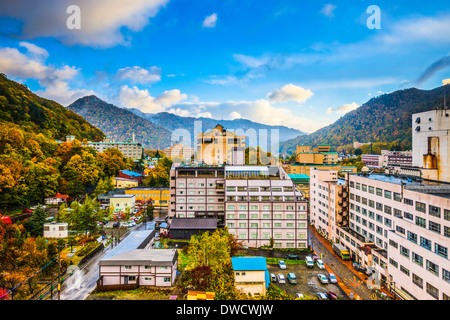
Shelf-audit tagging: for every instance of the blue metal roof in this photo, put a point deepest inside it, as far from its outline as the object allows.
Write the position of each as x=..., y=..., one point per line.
x=131, y=173
x=249, y=263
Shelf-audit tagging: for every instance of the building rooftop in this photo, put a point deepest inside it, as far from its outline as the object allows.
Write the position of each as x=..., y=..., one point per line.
x=437, y=188
x=131, y=173
x=194, y=223
x=251, y=264
x=150, y=257
x=147, y=188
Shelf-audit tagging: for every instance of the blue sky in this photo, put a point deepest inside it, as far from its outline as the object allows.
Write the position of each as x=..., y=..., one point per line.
x=302, y=64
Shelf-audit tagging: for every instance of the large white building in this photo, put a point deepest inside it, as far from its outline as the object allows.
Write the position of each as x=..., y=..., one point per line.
x=431, y=144
x=256, y=203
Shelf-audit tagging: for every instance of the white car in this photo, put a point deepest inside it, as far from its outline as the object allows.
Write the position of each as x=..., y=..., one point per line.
x=322, y=278
x=332, y=278
x=282, y=264
x=320, y=264
x=281, y=278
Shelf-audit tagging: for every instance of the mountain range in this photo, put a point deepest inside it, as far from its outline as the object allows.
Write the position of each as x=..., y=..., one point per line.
x=154, y=130
x=386, y=118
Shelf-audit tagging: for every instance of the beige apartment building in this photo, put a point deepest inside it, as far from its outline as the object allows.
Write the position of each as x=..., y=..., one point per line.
x=219, y=146
x=256, y=203
x=179, y=151
x=129, y=148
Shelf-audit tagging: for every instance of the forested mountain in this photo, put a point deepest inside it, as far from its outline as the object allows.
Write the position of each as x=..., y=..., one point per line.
x=20, y=106
x=386, y=118
x=173, y=122
x=119, y=124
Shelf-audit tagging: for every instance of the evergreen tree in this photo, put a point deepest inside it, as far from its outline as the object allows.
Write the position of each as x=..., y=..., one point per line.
x=38, y=218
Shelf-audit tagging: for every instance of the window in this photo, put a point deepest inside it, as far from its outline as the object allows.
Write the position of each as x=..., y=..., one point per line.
x=433, y=226
x=387, y=194
x=445, y=275
x=404, y=251
x=434, y=292
x=408, y=216
x=432, y=267
x=447, y=214
x=379, y=206
x=379, y=192
x=412, y=237
x=371, y=189
x=408, y=201
x=388, y=209
x=404, y=270
x=434, y=211
x=440, y=250
x=166, y=279
x=127, y=267
x=397, y=197
x=418, y=281
x=417, y=259
x=421, y=222
x=421, y=207
x=393, y=262
x=425, y=243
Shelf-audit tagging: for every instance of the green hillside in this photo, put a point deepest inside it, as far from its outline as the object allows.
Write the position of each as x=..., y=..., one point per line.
x=386, y=118
x=20, y=106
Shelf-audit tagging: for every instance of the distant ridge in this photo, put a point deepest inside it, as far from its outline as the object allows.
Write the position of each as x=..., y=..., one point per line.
x=386, y=118
x=120, y=124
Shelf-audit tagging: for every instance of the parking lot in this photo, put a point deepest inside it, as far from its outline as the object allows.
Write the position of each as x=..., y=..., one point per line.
x=307, y=282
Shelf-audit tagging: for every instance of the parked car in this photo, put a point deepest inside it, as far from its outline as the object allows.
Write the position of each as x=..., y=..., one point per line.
x=332, y=278
x=27, y=210
x=320, y=264
x=299, y=295
x=282, y=264
x=116, y=224
x=281, y=278
x=292, y=257
x=273, y=278
x=292, y=278
x=322, y=278
x=309, y=262
x=331, y=295
x=322, y=296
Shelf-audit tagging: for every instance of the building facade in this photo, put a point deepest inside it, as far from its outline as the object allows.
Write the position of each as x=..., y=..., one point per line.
x=123, y=202
x=139, y=267
x=431, y=143
x=160, y=196
x=219, y=146
x=129, y=148
x=256, y=203
x=251, y=275
x=179, y=151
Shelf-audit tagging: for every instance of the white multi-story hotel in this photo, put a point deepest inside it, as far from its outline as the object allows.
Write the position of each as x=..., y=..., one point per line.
x=256, y=203
x=398, y=226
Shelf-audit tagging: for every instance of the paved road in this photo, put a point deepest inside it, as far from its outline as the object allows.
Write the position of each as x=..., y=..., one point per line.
x=84, y=280
x=341, y=270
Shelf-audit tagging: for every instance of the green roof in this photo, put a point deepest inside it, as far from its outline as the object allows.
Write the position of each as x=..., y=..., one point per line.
x=298, y=176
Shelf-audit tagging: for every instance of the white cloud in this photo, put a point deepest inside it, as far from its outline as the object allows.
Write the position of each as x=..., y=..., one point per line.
x=210, y=21
x=445, y=81
x=290, y=92
x=327, y=10
x=101, y=20
x=31, y=65
x=235, y=115
x=142, y=100
x=343, y=109
x=140, y=75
